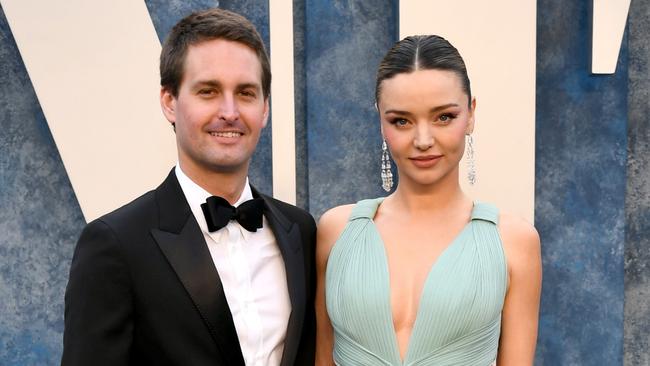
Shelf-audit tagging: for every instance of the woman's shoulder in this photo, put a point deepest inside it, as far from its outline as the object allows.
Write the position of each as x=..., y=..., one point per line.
x=330, y=226
x=520, y=238
x=335, y=218
x=517, y=227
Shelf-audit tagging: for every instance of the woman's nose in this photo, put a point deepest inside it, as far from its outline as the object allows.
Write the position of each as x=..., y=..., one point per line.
x=423, y=137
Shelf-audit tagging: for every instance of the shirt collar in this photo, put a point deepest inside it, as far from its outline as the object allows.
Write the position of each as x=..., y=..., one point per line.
x=196, y=195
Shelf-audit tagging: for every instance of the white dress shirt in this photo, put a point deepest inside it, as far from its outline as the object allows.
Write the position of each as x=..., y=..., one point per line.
x=253, y=275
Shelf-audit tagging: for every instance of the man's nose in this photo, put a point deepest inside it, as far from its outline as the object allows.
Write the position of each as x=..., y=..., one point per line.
x=228, y=109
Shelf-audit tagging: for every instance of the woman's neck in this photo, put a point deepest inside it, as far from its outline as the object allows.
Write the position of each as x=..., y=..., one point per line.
x=431, y=200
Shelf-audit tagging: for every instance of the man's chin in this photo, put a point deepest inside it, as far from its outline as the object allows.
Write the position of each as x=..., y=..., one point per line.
x=228, y=166
x=206, y=164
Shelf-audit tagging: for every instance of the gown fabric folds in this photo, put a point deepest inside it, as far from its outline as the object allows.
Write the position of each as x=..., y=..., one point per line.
x=459, y=317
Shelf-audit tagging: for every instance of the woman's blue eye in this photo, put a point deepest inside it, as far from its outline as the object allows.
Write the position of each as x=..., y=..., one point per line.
x=446, y=117
x=400, y=122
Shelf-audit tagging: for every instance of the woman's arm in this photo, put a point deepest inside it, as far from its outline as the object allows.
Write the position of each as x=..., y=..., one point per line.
x=521, y=308
x=330, y=226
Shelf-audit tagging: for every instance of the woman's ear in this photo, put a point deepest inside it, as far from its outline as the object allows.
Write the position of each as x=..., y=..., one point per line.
x=381, y=125
x=470, y=122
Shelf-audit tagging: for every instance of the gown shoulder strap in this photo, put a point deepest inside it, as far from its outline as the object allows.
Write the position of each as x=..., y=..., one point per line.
x=486, y=212
x=365, y=209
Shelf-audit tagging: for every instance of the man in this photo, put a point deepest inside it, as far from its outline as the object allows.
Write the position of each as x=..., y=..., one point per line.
x=179, y=276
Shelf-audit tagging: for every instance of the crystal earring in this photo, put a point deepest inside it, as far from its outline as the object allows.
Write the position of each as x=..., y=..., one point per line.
x=386, y=174
x=471, y=167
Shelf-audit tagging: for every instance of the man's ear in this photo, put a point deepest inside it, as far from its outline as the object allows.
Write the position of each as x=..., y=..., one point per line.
x=266, y=112
x=168, y=104
x=470, y=122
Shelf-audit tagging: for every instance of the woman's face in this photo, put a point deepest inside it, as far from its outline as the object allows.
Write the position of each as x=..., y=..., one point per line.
x=425, y=116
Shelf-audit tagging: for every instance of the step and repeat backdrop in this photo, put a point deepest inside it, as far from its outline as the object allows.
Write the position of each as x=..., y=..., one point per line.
x=561, y=138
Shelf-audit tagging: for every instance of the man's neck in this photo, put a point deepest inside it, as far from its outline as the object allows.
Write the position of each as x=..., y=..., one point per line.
x=227, y=185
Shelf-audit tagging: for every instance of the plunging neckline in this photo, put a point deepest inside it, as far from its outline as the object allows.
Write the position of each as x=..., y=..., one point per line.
x=435, y=264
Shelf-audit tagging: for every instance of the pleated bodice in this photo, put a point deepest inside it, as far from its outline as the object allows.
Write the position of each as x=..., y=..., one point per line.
x=459, y=317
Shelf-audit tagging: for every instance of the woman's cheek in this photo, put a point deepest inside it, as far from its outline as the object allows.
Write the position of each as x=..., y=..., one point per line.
x=394, y=142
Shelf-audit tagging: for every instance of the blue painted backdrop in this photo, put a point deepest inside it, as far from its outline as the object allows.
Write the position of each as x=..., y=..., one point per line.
x=592, y=195
x=637, y=204
x=345, y=41
x=581, y=139
x=40, y=220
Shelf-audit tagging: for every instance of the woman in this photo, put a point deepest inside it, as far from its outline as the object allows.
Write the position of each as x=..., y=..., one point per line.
x=426, y=276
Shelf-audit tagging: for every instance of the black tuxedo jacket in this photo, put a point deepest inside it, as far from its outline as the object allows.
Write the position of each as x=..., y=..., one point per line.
x=143, y=289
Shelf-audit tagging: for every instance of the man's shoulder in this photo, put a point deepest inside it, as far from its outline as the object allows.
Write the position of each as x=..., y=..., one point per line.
x=137, y=212
x=292, y=212
x=121, y=228
x=145, y=208
x=138, y=207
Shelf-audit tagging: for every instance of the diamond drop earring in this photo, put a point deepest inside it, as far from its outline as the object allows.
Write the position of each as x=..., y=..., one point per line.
x=386, y=174
x=471, y=167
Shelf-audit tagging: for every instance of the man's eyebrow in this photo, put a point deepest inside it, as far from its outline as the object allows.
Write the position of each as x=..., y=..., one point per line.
x=248, y=85
x=217, y=84
x=210, y=83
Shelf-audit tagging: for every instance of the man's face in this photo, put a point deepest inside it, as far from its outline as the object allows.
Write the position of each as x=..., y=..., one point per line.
x=220, y=109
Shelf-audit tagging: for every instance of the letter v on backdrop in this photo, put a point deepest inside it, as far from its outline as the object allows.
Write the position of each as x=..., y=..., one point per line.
x=98, y=90
x=94, y=68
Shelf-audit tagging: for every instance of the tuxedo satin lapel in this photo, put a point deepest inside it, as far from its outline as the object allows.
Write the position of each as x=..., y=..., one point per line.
x=295, y=268
x=183, y=244
x=287, y=235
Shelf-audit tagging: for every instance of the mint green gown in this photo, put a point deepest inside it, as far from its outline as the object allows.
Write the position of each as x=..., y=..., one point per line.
x=459, y=317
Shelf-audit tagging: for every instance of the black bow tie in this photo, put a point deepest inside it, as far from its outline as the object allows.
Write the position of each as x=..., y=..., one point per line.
x=218, y=212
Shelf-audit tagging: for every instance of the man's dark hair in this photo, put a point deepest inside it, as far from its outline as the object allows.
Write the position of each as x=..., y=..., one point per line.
x=422, y=53
x=205, y=26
